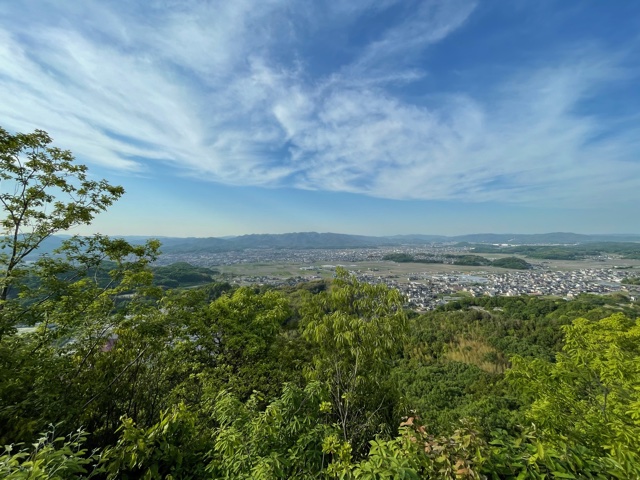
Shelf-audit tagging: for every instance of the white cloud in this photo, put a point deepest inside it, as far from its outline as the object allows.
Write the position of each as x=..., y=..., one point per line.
x=201, y=86
x=428, y=24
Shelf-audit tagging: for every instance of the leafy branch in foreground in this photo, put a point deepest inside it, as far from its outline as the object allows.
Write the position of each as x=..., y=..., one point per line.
x=358, y=332
x=50, y=457
x=42, y=191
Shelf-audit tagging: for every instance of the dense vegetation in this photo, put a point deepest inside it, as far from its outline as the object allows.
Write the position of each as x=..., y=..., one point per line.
x=126, y=379
x=182, y=274
x=470, y=260
x=466, y=260
x=400, y=258
x=511, y=262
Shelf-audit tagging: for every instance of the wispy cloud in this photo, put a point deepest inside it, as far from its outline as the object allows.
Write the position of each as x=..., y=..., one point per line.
x=429, y=23
x=219, y=90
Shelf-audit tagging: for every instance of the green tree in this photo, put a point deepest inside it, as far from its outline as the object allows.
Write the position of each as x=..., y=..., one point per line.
x=171, y=448
x=77, y=301
x=283, y=440
x=357, y=331
x=42, y=192
x=232, y=343
x=65, y=369
x=590, y=396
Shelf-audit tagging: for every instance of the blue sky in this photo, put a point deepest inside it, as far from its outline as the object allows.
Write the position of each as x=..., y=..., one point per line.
x=370, y=117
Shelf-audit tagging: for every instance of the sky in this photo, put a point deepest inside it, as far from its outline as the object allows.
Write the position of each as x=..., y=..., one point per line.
x=365, y=117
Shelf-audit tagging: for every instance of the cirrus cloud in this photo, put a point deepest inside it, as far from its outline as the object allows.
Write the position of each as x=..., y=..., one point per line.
x=226, y=91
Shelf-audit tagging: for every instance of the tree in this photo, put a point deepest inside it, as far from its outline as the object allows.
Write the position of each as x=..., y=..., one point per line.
x=42, y=192
x=232, y=343
x=67, y=369
x=283, y=440
x=358, y=331
x=77, y=299
x=590, y=396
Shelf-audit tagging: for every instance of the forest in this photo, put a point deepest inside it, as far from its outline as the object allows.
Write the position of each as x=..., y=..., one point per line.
x=515, y=263
x=110, y=369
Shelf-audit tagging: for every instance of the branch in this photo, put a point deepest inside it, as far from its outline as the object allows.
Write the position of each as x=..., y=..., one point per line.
x=114, y=380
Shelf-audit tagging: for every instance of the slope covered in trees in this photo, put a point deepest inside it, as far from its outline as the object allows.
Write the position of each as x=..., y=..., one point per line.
x=120, y=378
x=467, y=260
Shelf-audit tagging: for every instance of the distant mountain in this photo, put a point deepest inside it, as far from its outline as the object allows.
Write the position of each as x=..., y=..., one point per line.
x=195, y=245
x=530, y=239
x=299, y=241
x=305, y=240
x=561, y=238
x=47, y=246
x=314, y=240
x=418, y=239
x=615, y=238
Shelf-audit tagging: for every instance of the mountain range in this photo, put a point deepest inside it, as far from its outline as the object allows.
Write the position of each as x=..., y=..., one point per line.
x=309, y=240
x=314, y=240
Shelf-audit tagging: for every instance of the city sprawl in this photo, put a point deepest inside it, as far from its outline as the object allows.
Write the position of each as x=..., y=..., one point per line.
x=425, y=286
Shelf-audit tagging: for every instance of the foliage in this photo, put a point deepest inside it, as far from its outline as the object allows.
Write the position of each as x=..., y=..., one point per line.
x=233, y=343
x=357, y=332
x=49, y=375
x=470, y=260
x=440, y=379
x=182, y=274
x=406, y=258
x=441, y=393
x=399, y=257
x=532, y=308
x=43, y=192
x=170, y=448
x=283, y=440
x=591, y=394
x=51, y=457
x=631, y=280
x=566, y=252
x=511, y=262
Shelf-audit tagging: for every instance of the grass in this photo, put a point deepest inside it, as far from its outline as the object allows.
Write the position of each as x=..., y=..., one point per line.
x=476, y=352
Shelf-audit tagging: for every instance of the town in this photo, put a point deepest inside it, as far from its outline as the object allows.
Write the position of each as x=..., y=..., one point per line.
x=426, y=291
x=425, y=286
